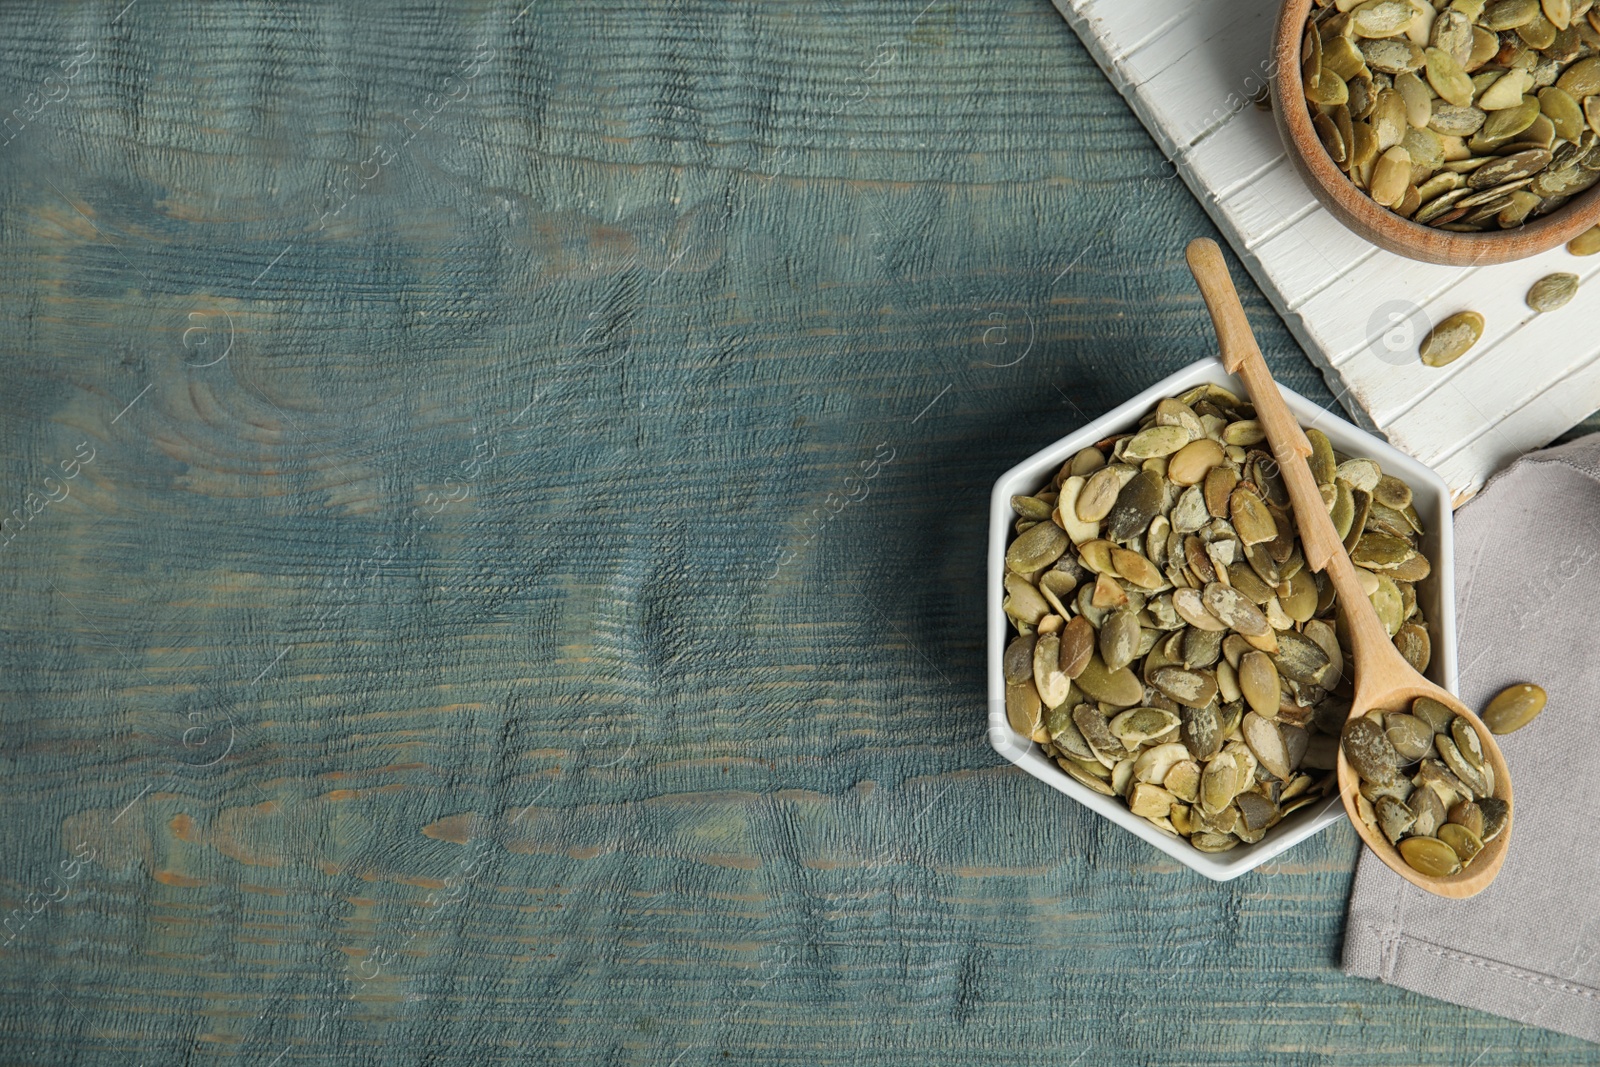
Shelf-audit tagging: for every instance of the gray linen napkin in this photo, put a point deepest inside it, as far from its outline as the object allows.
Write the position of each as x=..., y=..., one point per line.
x=1528, y=610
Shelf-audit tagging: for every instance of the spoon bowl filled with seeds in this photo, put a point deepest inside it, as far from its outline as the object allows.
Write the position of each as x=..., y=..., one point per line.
x=1460, y=132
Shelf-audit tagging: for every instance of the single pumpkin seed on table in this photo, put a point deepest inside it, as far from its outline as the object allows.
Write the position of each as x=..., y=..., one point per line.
x=1513, y=708
x=1172, y=650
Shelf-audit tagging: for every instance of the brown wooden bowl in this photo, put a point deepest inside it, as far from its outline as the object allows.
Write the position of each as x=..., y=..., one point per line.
x=1378, y=224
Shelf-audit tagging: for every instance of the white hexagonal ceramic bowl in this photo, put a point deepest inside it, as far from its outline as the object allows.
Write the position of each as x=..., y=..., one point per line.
x=1437, y=595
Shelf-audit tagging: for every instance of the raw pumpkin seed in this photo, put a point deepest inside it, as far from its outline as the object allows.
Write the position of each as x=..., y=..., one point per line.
x=1496, y=813
x=1369, y=752
x=1552, y=291
x=1431, y=856
x=1514, y=708
x=1449, y=340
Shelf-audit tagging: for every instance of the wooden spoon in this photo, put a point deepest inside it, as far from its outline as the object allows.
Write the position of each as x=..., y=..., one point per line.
x=1384, y=681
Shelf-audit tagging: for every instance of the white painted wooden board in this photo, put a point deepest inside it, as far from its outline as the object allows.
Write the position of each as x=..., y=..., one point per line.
x=1188, y=68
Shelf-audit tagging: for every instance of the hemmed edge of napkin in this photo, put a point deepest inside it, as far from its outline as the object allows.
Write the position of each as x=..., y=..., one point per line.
x=1411, y=963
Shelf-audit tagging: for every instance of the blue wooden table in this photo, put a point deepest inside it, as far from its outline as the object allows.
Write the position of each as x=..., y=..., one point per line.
x=437, y=626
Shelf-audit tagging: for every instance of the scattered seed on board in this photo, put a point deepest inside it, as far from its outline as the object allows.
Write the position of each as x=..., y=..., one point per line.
x=1449, y=340
x=1586, y=243
x=1553, y=291
x=1172, y=649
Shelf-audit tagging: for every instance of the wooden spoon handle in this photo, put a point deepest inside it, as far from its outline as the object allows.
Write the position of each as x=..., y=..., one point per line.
x=1319, y=539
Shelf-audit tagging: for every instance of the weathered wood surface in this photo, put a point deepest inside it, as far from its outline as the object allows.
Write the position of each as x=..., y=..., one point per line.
x=436, y=661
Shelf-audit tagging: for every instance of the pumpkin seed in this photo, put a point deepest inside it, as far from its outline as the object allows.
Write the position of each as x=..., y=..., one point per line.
x=1023, y=602
x=1381, y=18
x=1394, y=817
x=1468, y=814
x=1258, y=682
x=1392, y=55
x=1449, y=340
x=1086, y=462
x=1156, y=441
x=1300, y=659
x=1369, y=752
x=1210, y=842
x=1234, y=608
x=1430, y=856
x=1097, y=733
x=1513, y=708
x=1552, y=291
x=1415, y=645
x=1119, y=639
x=1266, y=743
x=1467, y=742
x=1138, y=502
x=1017, y=662
x=1564, y=113
x=1496, y=177
x=1429, y=810
x=1154, y=765
x=1437, y=715
x=1581, y=79
x=1218, y=491
x=1036, y=549
x=1023, y=711
x=1586, y=243
x=1465, y=843
x=1390, y=177
x=1219, y=783
x=1474, y=778
x=1101, y=489
x=1138, y=726
x=1194, y=461
x=1496, y=814
x=1066, y=516
x=1190, y=606
x=1378, y=551
x=1049, y=680
x=1193, y=689
x=1120, y=688
x=1079, y=772
x=1510, y=14
x=1505, y=90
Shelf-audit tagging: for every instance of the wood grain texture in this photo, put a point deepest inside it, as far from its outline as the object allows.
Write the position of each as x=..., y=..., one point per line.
x=442, y=657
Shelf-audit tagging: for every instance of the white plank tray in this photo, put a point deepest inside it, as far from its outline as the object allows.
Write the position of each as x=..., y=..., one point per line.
x=1188, y=69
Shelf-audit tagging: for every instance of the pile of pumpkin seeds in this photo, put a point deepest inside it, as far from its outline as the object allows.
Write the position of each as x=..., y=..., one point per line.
x=1465, y=115
x=1425, y=784
x=1172, y=648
